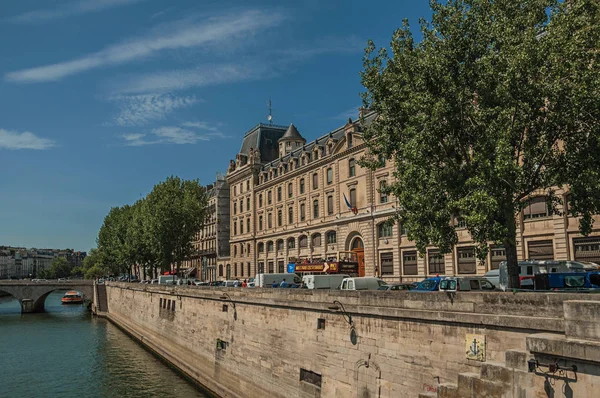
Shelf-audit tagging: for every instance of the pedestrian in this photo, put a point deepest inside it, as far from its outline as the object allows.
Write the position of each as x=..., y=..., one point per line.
x=283, y=283
x=275, y=284
x=244, y=284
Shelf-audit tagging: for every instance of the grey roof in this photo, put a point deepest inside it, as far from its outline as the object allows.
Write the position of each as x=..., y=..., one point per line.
x=264, y=137
x=336, y=134
x=292, y=134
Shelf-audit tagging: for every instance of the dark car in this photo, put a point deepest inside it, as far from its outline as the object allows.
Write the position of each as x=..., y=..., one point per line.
x=215, y=283
x=397, y=286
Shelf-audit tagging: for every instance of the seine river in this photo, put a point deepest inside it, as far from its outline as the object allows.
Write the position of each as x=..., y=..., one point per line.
x=66, y=352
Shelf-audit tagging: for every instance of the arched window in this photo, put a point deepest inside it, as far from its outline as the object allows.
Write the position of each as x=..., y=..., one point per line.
x=269, y=246
x=316, y=209
x=536, y=208
x=291, y=243
x=303, y=241
x=280, y=245
x=316, y=239
x=357, y=244
x=384, y=230
x=351, y=168
x=331, y=237
x=301, y=185
x=261, y=247
x=383, y=196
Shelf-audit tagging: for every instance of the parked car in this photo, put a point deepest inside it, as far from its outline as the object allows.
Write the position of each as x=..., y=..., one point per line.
x=332, y=281
x=200, y=283
x=215, y=283
x=493, y=276
x=362, y=283
x=465, y=284
x=428, y=285
x=397, y=286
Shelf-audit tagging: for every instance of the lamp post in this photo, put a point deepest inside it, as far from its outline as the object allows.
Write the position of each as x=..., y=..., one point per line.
x=339, y=307
x=227, y=297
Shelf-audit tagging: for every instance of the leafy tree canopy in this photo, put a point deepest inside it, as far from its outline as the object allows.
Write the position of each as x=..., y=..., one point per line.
x=496, y=103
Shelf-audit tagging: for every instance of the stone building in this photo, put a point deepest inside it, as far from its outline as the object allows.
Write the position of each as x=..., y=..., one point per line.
x=212, y=242
x=293, y=201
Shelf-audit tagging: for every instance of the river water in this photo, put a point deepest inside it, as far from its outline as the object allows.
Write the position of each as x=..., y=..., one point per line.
x=66, y=352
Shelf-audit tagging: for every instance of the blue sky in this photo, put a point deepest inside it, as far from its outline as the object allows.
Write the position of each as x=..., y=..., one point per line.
x=102, y=99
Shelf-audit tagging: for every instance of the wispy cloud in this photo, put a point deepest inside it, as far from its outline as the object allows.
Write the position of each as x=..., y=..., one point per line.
x=25, y=140
x=137, y=110
x=180, y=35
x=169, y=135
x=183, y=79
x=70, y=9
x=351, y=113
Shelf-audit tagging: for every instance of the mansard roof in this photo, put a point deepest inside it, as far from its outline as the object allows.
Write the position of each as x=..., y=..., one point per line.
x=265, y=138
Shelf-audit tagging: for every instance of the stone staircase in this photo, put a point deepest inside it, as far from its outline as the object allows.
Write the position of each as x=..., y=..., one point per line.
x=102, y=304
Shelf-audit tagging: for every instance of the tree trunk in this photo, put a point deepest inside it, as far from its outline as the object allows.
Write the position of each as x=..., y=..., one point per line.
x=510, y=246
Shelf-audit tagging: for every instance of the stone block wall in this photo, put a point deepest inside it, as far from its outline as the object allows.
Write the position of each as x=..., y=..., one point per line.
x=297, y=343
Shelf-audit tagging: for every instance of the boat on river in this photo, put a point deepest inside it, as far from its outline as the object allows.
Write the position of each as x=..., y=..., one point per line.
x=72, y=297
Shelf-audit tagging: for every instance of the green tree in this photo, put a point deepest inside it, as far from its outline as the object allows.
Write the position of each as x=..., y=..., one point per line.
x=115, y=254
x=496, y=103
x=59, y=268
x=175, y=212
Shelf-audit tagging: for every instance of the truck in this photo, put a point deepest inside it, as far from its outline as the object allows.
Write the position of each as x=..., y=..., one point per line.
x=362, y=283
x=332, y=281
x=267, y=280
x=167, y=279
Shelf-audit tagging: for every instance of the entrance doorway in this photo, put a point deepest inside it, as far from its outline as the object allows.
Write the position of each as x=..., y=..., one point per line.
x=357, y=246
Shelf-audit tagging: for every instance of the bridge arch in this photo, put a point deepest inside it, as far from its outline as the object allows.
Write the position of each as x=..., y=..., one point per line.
x=32, y=296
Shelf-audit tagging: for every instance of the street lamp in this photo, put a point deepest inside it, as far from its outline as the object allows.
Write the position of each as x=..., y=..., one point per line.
x=339, y=307
x=227, y=297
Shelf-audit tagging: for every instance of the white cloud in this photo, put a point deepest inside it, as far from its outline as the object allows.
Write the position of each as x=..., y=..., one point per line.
x=70, y=9
x=351, y=113
x=168, y=135
x=25, y=140
x=137, y=110
x=215, y=31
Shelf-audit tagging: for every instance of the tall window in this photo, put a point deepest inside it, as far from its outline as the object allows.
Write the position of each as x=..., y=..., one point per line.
x=301, y=185
x=260, y=223
x=269, y=246
x=537, y=208
x=316, y=240
x=290, y=190
x=387, y=263
x=261, y=247
x=316, y=209
x=467, y=263
x=331, y=237
x=234, y=208
x=291, y=243
x=234, y=190
x=383, y=196
x=234, y=228
x=303, y=241
x=260, y=202
x=241, y=226
x=409, y=262
x=351, y=168
x=384, y=230
x=280, y=245
x=330, y=204
x=241, y=205
x=315, y=181
x=290, y=215
x=353, y=197
x=248, y=185
x=270, y=220
x=436, y=262
x=248, y=203
x=279, y=194
x=279, y=218
x=269, y=198
x=349, y=140
x=302, y=212
x=329, y=175
x=248, y=225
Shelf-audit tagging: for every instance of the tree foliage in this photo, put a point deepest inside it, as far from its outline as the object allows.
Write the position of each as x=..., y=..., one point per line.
x=59, y=268
x=155, y=232
x=498, y=102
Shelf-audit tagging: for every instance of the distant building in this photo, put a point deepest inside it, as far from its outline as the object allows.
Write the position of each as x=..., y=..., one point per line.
x=19, y=262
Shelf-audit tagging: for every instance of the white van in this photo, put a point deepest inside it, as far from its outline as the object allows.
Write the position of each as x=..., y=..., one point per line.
x=364, y=283
x=267, y=280
x=167, y=279
x=324, y=281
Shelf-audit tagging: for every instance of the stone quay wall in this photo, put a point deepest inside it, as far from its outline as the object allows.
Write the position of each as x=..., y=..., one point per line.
x=298, y=343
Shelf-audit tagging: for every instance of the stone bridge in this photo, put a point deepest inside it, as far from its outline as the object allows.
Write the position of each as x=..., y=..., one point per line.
x=32, y=295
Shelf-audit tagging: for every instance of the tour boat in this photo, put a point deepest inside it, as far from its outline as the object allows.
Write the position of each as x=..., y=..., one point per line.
x=72, y=297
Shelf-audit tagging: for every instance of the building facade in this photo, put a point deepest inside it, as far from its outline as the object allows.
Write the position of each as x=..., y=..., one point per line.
x=212, y=242
x=296, y=202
